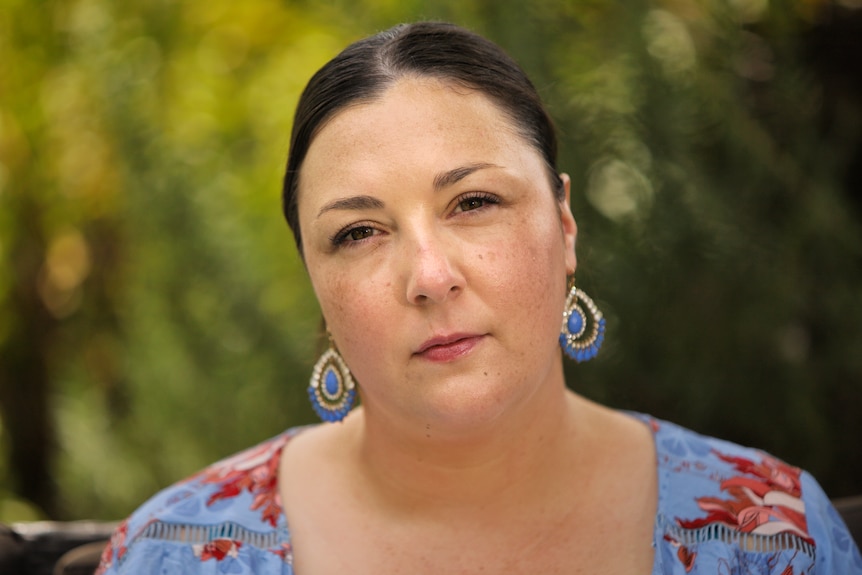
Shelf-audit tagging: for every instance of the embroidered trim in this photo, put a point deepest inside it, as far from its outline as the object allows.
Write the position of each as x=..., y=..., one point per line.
x=756, y=542
x=199, y=534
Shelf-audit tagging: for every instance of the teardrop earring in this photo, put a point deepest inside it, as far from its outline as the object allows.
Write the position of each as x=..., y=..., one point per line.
x=583, y=329
x=332, y=389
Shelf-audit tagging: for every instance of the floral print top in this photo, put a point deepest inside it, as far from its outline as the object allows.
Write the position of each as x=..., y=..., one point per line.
x=722, y=509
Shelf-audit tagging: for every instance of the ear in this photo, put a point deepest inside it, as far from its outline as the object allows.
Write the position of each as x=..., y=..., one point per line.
x=569, y=226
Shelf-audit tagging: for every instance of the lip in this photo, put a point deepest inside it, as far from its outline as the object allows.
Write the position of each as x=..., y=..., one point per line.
x=450, y=347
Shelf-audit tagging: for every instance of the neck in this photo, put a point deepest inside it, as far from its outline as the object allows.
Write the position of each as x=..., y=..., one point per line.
x=513, y=458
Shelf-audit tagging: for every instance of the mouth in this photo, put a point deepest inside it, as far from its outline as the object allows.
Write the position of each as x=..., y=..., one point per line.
x=448, y=347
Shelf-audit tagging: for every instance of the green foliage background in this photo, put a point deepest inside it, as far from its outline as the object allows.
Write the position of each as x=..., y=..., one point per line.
x=154, y=315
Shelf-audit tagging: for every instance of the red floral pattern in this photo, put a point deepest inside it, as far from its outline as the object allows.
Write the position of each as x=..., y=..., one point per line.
x=285, y=552
x=118, y=543
x=764, y=499
x=685, y=556
x=254, y=471
x=217, y=549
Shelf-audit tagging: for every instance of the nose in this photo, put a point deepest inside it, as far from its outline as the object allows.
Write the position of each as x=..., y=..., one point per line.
x=433, y=273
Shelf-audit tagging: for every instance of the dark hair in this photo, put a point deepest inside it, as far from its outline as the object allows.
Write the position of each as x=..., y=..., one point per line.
x=363, y=71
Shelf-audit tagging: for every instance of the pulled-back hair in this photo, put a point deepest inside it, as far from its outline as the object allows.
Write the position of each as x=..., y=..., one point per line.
x=365, y=69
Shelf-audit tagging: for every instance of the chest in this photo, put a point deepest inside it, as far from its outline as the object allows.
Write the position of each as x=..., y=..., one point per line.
x=605, y=541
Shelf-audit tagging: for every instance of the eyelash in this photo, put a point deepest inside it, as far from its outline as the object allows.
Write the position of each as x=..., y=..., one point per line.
x=485, y=197
x=340, y=239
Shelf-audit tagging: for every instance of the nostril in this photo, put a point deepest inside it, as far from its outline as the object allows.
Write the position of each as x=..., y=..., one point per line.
x=431, y=274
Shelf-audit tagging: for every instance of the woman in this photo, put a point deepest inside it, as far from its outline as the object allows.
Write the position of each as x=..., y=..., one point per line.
x=424, y=197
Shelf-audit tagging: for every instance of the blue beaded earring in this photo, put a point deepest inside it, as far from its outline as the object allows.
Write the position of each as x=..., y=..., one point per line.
x=332, y=389
x=582, y=332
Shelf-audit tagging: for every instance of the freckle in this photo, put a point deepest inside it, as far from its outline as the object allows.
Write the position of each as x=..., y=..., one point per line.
x=480, y=257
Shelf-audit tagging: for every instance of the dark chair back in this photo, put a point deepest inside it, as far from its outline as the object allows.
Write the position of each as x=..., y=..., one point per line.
x=49, y=547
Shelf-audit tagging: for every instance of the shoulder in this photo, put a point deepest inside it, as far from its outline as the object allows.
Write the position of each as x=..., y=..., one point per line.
x=719, y=500
x=229, y=511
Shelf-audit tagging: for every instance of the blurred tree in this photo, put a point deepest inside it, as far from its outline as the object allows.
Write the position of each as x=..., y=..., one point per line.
x=726, y=250
x=152, y=304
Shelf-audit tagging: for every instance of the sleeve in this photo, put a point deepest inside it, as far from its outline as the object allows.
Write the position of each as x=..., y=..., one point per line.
x=836, y=551
x=114, y=550
x=152, y=557
x=149, y=556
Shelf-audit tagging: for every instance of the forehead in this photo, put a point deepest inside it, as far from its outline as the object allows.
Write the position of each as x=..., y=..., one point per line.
x=417, y=122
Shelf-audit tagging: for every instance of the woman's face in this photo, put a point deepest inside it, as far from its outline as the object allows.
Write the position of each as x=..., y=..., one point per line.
x=438, y=253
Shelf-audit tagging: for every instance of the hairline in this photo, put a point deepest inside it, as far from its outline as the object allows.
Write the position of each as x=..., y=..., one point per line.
x=378, y=93
x=390, y=62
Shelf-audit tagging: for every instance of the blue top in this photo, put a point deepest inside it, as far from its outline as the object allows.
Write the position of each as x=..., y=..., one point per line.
x=722, y=508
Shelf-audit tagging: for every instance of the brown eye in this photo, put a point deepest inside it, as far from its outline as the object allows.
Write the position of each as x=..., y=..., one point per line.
x=471, y=204
x=351, y=236
x=360, y=233
x=475, y=201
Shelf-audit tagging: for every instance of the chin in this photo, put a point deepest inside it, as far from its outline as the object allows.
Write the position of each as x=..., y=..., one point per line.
x=470, y=407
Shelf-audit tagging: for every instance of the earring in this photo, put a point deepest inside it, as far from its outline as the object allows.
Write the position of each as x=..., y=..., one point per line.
x=582, y=333
x=332, y=389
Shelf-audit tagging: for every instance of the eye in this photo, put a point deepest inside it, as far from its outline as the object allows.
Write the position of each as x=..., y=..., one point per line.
x=353, y=234
x=360, y=233
x=474, y=202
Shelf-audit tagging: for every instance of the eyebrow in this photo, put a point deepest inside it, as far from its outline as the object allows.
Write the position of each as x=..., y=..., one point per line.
x=353, y=203
x=451, y=177
x=441, y=181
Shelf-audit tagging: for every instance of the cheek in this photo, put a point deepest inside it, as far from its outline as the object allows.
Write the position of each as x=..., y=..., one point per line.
x=529, y=274
x=354, y=309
